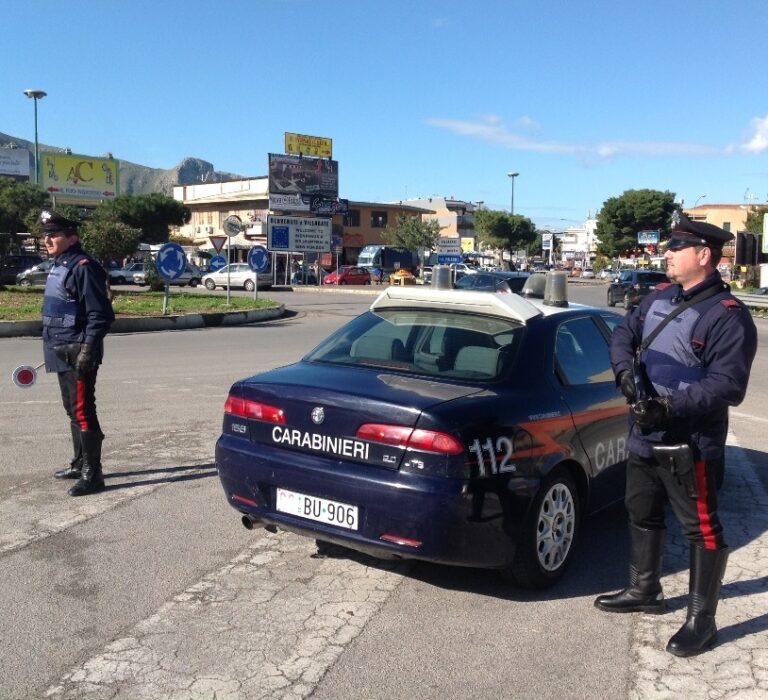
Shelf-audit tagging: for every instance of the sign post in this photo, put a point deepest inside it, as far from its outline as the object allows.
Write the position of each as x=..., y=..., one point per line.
x=171, y=263
x=258, y=261
x=232, y=226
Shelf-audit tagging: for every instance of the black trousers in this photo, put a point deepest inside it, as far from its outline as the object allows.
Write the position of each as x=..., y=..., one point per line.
x=650, y=486
x=78, y=393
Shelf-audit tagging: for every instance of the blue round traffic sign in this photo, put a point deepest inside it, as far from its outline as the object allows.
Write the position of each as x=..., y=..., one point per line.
x=171, y=261
x=258, y=258
x=217, y=262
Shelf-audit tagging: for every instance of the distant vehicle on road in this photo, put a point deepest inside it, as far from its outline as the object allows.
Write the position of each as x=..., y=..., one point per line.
x=387, y=258
x=501, y=282
x=125, y=275
x=191, y=276
x=37, y=274
x=348, y=274
x=12, y=265
x=239, y=274
x=632, y=285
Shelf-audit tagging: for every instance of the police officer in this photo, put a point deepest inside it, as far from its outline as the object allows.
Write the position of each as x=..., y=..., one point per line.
x=696, y=365
x=77, y=314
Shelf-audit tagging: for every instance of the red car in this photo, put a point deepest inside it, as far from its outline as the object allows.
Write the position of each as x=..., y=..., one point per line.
x=347, y=274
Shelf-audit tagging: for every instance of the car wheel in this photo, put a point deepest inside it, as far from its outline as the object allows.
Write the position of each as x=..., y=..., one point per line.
x=249, y=285
x=549, y=533
x=627, y=302
x=194, y=282
x=119, y=280
x=210, y=285
x=611, y=302
x=25, y=283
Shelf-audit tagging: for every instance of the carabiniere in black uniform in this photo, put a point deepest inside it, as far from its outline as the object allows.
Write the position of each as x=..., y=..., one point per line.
x=77, y=315
x=681, y=358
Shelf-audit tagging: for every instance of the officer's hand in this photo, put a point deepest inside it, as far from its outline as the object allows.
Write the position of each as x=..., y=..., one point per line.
x=653, y=414
x=86, y=361
x=627, y=385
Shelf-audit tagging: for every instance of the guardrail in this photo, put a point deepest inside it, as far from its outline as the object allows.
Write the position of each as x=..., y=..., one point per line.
x=753, y=301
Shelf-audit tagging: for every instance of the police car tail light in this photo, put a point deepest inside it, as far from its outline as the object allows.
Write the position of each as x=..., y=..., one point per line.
x=403, y=436
x=245, y=408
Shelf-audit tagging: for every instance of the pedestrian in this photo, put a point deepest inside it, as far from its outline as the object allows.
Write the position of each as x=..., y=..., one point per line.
x=77, y=315
x=681, y=358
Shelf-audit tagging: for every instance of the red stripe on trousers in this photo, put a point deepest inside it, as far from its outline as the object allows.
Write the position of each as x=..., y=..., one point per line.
x=705, y=524
x=80, y=405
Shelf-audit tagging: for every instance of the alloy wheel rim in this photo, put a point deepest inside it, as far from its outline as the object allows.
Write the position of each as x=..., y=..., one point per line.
x=556, y=527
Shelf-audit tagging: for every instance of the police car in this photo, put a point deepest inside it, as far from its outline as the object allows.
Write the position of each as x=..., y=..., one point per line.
x=449, y=426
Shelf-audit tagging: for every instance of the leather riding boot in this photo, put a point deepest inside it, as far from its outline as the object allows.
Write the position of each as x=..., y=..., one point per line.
x=700, y=631
x=76, y=465
x=644, y=592
x=91, y=479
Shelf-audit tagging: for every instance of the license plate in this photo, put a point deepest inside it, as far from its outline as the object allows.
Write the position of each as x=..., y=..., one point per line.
x=320, y=510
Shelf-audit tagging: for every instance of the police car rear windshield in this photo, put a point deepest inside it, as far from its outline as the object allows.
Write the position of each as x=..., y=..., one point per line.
x=426, y=342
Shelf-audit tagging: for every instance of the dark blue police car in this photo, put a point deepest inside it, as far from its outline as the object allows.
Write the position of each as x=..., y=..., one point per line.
x=449, y=426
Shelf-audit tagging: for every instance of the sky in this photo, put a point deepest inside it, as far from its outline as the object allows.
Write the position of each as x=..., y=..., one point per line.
x=584, y=99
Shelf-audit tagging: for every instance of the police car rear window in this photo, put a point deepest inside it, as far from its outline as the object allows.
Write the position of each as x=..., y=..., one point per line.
x=425, y=342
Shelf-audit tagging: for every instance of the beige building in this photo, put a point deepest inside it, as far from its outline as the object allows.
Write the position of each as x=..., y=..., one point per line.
x=729, y=217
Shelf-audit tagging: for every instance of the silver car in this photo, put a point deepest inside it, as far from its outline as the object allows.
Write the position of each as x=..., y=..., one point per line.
x=237, y=275
x=191, y=276
x=125, y=275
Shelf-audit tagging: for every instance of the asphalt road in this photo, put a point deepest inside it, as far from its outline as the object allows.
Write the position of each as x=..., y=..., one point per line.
x=154, y=589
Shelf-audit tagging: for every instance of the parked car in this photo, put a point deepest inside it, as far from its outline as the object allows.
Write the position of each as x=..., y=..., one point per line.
x=239, y=275
x=502, y=282
x=587, y=273
x=36, y=274
x=449, y=426
x=191, y=276
x=632, y=285
x=607, y=273
x=12, y=265
x=125, y=275
x=348, y=274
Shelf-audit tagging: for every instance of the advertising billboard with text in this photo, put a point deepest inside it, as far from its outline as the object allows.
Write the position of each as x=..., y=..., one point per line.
x=14, y=162
x=308, y=176
x=68, y=176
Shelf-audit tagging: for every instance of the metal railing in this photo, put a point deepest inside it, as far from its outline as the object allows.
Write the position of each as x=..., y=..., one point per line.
x=753, y=301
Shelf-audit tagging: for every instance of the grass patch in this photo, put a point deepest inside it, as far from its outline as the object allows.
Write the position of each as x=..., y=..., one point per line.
x=19, y=304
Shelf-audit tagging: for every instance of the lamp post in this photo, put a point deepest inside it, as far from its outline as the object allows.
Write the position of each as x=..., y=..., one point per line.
x=512, y=176
x=36, y=95
x=698, y=199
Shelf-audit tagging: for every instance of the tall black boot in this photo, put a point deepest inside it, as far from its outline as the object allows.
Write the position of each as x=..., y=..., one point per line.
x=91, y=479
x=644, y=592
x=76, y=465
x=700, y=631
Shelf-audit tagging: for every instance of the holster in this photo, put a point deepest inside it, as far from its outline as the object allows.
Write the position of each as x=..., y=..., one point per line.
x=68, y=353
x=678, y=460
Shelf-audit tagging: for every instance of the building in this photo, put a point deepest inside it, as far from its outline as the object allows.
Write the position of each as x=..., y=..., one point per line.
x=729, y=217
x=578, y=244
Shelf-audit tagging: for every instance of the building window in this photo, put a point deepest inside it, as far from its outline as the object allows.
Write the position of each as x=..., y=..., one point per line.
x=727, y=226
x=352, y=218
x=378, y=219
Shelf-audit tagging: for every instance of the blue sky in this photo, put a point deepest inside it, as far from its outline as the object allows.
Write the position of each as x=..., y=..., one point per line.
x=584, y=99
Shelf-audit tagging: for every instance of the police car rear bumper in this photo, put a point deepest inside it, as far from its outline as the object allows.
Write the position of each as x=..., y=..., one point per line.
x=447, y=521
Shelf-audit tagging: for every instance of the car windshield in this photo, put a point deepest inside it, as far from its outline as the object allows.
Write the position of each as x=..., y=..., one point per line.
x=425, y=342
x=652, y=277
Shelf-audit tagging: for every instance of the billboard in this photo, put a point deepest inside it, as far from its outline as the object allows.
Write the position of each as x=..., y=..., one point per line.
x=14, y=162
x=296, y=234
x=647, y=237
x=308, y=145
x=309, y=176
x=78, y=177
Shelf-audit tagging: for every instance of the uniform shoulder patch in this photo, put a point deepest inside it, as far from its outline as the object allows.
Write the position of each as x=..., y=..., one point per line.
x=730, y=304
x=84, y=261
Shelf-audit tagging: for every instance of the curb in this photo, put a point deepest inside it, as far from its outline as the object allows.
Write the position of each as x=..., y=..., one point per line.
x=143, y=324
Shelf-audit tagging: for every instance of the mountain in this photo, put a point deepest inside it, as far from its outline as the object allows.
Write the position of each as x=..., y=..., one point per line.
x=139, y=179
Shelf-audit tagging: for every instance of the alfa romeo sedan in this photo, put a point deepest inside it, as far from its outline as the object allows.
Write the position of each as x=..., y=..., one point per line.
x=449, y=426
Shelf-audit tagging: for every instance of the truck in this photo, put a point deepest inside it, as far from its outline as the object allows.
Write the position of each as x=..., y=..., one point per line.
x=387, y=258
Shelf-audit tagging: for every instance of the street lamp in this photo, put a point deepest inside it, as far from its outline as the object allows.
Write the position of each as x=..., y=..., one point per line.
x=698, y=199
x=36, y=95
x=512, y=176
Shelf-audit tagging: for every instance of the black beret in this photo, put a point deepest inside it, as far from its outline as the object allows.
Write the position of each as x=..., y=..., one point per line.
x=54, y=222
x=697, y=232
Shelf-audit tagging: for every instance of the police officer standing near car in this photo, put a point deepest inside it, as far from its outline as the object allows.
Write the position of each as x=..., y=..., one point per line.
x=77, y=314
x=681, y=358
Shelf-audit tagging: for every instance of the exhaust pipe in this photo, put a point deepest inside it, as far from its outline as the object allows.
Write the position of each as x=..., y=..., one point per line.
x=249, y=521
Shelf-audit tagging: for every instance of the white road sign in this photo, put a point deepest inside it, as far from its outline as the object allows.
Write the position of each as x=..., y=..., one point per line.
x=297, y=234
x=449, y=245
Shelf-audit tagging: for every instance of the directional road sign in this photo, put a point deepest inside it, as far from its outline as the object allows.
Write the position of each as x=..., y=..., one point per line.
x=217, y=262
x=171, y=261
x=258, y=258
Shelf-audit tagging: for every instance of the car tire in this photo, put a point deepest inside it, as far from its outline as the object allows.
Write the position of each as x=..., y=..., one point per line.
x=25, y=283
x=194, y=282
x=611, y=302
x=627, y=302
x=249, y=285
x=118, y=280
x=549, y=534
x=210, y=285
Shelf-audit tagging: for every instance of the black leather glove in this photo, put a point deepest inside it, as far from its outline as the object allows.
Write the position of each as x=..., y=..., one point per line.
x=653, y=414
x=627, y=385
x=86, y=360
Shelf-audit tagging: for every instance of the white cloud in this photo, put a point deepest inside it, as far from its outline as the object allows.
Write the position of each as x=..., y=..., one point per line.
x=492, y=129
x=758, y=142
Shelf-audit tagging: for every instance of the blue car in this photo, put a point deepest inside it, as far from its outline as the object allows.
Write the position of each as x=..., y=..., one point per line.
x=449, y=426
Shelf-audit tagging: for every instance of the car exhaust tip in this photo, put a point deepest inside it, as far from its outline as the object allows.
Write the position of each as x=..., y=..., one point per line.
x=249, y=521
